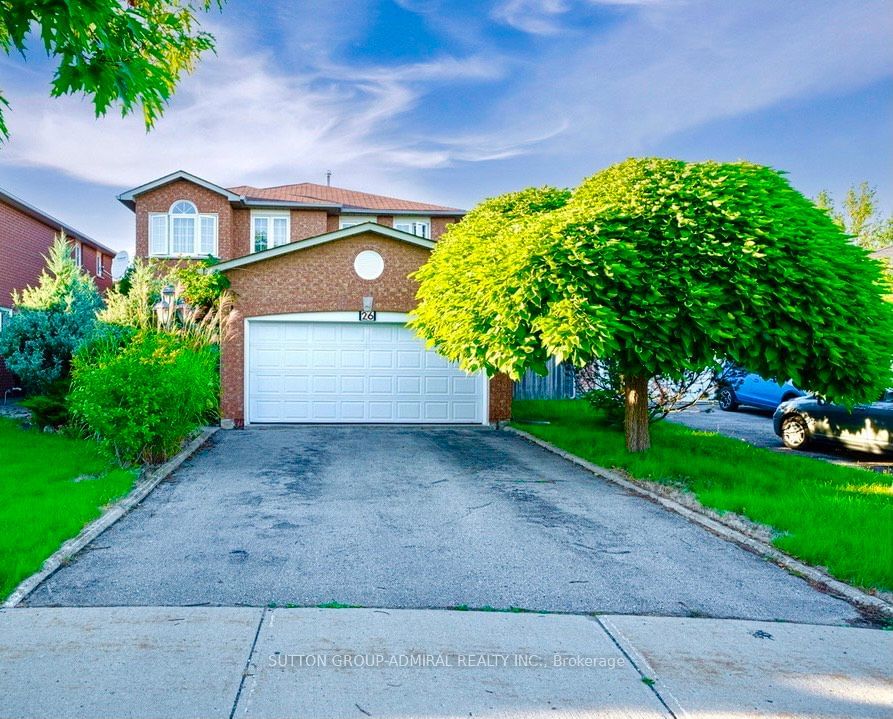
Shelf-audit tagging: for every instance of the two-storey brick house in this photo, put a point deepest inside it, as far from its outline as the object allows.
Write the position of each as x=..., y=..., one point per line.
x=26, y=234
x=320, y=278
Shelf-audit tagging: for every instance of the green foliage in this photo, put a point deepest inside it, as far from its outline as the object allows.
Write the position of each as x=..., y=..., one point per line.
x=49, y=409
x=202, y=301
x=130, y=54
x=52, y=320
x=130, y=302
x=662, y=267
x=143, y=398
x=860, y=216
x=199, y=288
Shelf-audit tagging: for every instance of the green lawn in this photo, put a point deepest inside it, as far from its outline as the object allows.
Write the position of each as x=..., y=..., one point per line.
x=50, y=487
x=827, y=515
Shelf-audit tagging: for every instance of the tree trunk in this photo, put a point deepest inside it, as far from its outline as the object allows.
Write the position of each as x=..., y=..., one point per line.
x=635, y=418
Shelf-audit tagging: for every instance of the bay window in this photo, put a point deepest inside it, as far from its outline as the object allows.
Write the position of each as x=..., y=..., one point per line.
x=182, y=232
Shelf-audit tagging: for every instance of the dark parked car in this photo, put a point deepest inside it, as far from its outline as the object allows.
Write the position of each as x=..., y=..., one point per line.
x=867, y=428
x=737, y=386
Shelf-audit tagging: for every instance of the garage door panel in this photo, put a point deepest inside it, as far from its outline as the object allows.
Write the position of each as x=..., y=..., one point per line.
x=353, y=372
x=381, y=411
x=268, y=358
x=297, y=358
x=299, y=410
x=324, y=332
x=293, y=331
x=327, y=359
x=351, y=385
x=381, y=385
x=381, y=359
x=409, y=359
x=353, y=358
x=409, y=385
x=465, y=385
x=353, y=411
x=295, y=384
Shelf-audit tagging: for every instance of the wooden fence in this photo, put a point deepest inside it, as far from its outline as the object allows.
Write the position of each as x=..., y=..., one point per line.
x=557, y=384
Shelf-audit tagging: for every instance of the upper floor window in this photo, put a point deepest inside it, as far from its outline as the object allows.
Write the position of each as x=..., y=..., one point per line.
x=3, y=314
x=182, y=232
x=76, y=253
x=98, y=263
x=353, y=220
x=418, y=226
x=269, y=229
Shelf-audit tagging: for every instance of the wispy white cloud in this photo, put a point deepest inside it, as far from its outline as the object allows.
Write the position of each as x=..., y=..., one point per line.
x=242, y=117
x=550, y=17
x=276, y=105
x=682, y=65
x=539, y=17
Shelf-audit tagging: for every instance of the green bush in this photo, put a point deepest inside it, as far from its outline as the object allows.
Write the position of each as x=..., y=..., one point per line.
x=49, y=409
x=143, y=398
x=51, y=322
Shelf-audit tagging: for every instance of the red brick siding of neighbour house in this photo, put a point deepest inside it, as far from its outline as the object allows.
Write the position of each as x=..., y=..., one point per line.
x=322, y=279
x=24, y=242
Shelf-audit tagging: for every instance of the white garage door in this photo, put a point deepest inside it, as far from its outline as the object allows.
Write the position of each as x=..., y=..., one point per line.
x=354, y=372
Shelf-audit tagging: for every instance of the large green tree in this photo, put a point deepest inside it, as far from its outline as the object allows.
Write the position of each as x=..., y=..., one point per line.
x=860, y=216
x=662, y=267
x=130, y=54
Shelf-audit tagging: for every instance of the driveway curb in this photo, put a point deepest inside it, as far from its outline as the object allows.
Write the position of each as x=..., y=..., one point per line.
x=106, y=520
x=834, y=586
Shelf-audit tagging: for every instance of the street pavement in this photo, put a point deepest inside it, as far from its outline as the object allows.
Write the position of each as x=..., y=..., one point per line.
x=155, y=663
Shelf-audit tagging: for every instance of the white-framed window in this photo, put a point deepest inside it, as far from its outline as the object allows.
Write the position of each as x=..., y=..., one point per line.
x=98, y=263
x=182, y=232
x=77, y=254
x=352, y=220
x=269, y=229
x=418, y=226
x=4, y=313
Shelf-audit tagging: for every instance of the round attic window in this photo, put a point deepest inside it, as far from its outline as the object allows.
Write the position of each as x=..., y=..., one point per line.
x=368, y=265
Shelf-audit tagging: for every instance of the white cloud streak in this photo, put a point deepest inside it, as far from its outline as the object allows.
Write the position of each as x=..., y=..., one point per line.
x=247, y=116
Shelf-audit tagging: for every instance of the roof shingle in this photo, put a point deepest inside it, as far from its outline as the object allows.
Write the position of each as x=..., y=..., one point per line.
x=312, y=193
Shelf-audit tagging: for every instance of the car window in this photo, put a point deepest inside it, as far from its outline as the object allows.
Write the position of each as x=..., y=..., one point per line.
x=888, y=396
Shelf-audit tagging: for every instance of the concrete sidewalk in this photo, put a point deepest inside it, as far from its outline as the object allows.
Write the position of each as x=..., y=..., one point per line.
x=329, y=663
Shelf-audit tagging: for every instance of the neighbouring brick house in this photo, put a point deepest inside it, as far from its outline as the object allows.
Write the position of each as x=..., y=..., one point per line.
x=321, y=292
x=26, y=234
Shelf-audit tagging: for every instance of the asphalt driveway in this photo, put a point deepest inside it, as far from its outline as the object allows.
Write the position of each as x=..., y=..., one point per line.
x=417, y=517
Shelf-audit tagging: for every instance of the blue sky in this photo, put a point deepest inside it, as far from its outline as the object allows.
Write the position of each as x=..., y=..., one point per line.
x=452, y=102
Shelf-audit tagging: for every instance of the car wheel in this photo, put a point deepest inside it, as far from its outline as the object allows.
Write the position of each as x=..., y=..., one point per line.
x=727, y=401
x=794, y=432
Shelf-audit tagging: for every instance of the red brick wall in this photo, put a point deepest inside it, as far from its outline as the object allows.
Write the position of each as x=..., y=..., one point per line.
x=160, y=200
x=439, y=225
x=308, y=223
x=322, y=279
x=24, y=241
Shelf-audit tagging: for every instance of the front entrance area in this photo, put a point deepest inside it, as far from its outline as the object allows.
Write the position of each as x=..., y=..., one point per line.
x=312, y=370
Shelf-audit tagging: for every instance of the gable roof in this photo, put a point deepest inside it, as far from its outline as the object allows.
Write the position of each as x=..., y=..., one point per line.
x=129, y=196
x=50, y=221
x=365, y=227
x=309, y=192
x=885, y=253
